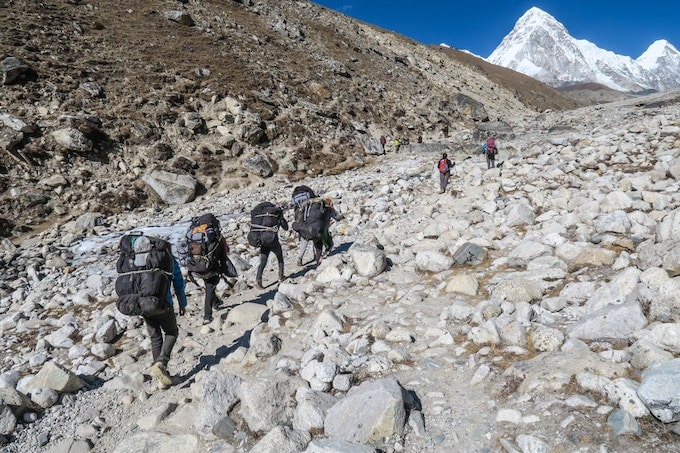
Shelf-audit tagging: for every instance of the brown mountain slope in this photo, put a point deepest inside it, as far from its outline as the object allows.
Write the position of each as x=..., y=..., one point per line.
x=302, y=86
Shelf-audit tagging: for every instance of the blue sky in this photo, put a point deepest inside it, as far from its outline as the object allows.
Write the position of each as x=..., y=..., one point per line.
x=625, y=27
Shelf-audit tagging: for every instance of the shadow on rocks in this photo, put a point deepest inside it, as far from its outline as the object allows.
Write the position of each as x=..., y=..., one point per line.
x=206, y=361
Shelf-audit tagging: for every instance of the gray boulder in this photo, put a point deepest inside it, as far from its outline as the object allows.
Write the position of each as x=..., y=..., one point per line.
x=621, y=422
x=268, y=402
x=57, y=378
x=8, y=421
x=669, y=227
x=18, y=402
x=369, y=412
x=173, y=188
x=12, y=70
x=660, y=391
x=71, y=445
x=432, y=261
x=368, y=260
x=371, y=145
x=469, y=107
x=470, y=253
x=257, y=164
x=665, y=307
x=311, y=409
x=282, y=439
x=612, y=322
x=10, y=139
x=181, y=17
x=219, y=393
x=72, y=139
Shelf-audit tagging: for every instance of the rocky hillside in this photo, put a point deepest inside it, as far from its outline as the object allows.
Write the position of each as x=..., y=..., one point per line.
x=102, y=102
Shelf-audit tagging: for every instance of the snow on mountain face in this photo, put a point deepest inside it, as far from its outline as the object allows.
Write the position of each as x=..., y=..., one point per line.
x=541, y=47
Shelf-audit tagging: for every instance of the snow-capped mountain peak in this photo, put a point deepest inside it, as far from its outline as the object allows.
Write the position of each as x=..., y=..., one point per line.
x=541, y=47
x=537, y=17
x=656, y=53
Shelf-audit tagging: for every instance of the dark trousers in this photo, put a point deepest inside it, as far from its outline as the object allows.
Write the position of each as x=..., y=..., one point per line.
x=490, y=161
x=157, y=326
x=210, y=296
x=264, y=256
x=318, y=250
x=444, y=180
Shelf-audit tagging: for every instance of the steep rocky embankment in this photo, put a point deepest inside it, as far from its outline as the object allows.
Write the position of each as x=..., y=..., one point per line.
x=531, y=308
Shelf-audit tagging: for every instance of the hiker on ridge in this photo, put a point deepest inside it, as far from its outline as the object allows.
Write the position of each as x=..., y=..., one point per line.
x=444, y=165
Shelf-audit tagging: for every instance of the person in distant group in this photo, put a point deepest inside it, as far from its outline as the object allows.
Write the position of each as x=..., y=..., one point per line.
x=397, y=145
x=444, y=166
x=490, y=151
x=383, y=142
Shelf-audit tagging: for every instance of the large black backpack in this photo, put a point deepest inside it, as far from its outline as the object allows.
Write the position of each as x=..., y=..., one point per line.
x=311, y=219
x=302, y=194
x=200, y=250
x=144, y=270
x=264, y=225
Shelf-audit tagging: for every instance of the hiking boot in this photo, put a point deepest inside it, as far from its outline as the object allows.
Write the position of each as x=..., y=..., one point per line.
x=281, y=276
x=299, y=261
x=258, y=284
x=207, y=321
x=159, y=371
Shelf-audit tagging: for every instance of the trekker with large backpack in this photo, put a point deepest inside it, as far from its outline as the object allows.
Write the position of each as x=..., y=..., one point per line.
x=265, y=220
x=146, y=269
x=204, y=254
x=300, y=195
x=490, y=151
x=444, y=166
x=312, y=220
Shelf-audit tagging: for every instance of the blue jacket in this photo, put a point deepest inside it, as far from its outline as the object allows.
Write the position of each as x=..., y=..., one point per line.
x=177, y=284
